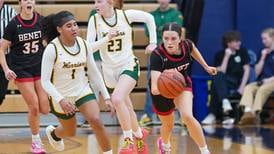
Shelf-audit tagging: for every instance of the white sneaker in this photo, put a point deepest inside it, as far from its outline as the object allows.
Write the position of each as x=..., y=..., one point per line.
x=209, y=129
x=226, y=105
x=57, y=145
x=227, y=142
x=229, y=121
x=209, y=120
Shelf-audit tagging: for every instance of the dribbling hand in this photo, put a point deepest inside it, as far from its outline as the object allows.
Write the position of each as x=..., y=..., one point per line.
x=67, y=107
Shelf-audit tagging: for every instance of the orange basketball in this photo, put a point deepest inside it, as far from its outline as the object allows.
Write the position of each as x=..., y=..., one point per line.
x=171, y=84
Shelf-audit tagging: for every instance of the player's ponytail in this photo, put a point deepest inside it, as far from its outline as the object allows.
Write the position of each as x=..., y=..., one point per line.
x=51, y=22
x=49, y=31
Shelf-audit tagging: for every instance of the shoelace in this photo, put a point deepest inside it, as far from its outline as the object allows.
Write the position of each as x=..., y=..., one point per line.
x=127, y=142
x=37, y=145
x=140, y=144
x=167, y=150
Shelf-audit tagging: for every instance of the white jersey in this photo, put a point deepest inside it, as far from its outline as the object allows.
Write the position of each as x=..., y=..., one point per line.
x=69, y=71
x=117, y=51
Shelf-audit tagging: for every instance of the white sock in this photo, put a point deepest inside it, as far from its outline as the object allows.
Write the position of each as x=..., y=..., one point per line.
x=108, y=152
x=226, y=105
x=128, y=134
x=36, y=137
x=166, y=146
x=247, y=109
x=138, y=133
x=204, y=150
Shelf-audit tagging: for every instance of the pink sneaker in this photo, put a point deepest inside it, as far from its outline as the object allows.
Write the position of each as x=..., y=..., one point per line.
x=161, y=148
x=37, y=148
x=141, y=145
x=127, y=147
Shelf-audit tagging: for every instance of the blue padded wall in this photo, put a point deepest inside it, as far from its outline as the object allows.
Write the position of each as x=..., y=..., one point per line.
x=249, y=17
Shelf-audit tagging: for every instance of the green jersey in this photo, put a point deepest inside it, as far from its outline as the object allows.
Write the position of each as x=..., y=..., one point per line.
x=163, y=17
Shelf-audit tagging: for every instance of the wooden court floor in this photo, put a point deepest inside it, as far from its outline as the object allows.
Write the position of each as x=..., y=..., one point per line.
x=221, y=140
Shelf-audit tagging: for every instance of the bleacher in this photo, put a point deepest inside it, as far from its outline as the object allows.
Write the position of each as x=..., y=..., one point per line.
x=14, y=102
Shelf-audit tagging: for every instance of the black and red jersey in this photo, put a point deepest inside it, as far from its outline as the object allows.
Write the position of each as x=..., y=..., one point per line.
x=26, y=48
x=161, y=60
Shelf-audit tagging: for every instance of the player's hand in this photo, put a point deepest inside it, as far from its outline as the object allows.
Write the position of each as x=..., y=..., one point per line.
x=67, y=107
x=110, y=107
x=171, y=70
x=112, y=33
x=10, y=75
x=150, y=48
x=211, y=70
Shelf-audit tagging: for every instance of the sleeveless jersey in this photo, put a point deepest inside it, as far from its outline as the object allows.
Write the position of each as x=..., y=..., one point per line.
x=69, y=72
x=26, y=41
x=117, y=51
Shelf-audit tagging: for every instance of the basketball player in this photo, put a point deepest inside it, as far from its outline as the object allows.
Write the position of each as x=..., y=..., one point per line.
x=116, y=4
x=23, y=36
x=119, y=65
x=64, y=77
x=176, y=53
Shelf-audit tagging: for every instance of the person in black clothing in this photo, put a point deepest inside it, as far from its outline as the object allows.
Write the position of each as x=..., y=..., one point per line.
x=23, y=36
x=176, y=54
x=233, y=73
x=193, y=13
x=6, y=14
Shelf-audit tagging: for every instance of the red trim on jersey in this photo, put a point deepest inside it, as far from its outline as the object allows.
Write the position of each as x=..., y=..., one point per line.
x=163, y=50
x=162, y=113
x=188, y=89
x=25, y=25
x=31, y=79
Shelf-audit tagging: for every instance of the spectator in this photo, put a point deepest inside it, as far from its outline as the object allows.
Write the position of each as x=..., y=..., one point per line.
x=256, y=93
x=6, y=14
x=162, y=15
x=233, y=72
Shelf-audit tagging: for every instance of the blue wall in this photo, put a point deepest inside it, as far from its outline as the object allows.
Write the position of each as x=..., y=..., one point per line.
x=249, y=17
x=253, y=16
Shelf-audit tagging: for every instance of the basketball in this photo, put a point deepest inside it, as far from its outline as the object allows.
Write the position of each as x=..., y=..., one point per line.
x=171, y=84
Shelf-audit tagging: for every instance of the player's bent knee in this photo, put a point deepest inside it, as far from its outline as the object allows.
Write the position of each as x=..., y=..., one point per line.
x=45, y=111
x=95, y=122
x=34, y=110
x=187, y=118
x=116, y=100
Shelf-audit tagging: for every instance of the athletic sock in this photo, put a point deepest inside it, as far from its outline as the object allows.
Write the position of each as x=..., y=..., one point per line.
x=128, y=134
x=138, y=133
